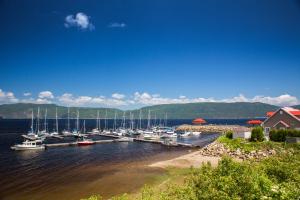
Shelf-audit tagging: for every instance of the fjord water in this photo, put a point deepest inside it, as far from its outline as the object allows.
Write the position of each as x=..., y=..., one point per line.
x=77, y=172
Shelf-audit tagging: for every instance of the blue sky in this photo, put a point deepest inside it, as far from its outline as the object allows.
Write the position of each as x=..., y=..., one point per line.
x=128, y=53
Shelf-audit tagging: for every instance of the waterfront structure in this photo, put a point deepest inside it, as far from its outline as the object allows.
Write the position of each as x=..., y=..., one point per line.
x=283, y=118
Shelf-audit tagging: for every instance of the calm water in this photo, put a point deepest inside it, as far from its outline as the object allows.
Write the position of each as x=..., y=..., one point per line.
x=77, y=172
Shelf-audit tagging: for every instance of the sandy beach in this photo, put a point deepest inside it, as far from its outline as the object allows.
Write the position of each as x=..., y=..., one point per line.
x=194, y=159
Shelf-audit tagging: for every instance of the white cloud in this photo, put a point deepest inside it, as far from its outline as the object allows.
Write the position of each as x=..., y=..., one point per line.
x=116, y=101
x=137, y=99
x=46, y=95
x=117, y=25
x=7, y=97
x=80, y=20
x=148, y=99
x=118, y=96
x=26, y=94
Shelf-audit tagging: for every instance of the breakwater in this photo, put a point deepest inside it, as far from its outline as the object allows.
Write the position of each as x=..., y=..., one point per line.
x=213, y=128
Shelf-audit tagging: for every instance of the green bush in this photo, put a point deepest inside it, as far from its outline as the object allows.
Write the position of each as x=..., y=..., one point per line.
x=257, y=134
x=229, y=134
x=281, y=134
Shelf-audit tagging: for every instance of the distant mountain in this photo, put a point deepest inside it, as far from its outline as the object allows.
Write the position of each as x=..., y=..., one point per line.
x=297, y=106
x=174, y=111
x=23, y=110
x=211, y=110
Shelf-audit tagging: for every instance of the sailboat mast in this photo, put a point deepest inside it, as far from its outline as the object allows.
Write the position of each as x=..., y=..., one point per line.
x=83, y=126
x=124, y=120
x=38, y=120
x=68, y=119
x=140, y=119
x=56, y=120
x=32, y=121
x=45, y=122
x=77, y=121
x=149, y=118
x=115, y=121
x=166, y=120
x=97, y=120
x=105, y=121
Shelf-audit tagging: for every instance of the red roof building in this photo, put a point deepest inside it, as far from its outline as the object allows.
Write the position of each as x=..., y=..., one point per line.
x=283, y=118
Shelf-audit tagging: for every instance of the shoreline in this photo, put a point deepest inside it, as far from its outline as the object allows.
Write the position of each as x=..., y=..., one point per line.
x=193, y=159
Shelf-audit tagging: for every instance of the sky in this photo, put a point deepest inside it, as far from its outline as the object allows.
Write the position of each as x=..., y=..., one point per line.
x=132, y=53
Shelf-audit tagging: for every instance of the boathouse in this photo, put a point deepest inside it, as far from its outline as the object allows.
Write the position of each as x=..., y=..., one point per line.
x=283, y=118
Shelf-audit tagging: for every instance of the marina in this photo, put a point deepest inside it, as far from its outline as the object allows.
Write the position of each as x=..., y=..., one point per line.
x=130, y=130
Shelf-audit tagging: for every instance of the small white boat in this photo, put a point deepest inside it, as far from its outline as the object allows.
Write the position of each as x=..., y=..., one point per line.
x=29, y=145
x=125, y=139
x=95, y=131
x=66, y=133
x=196, y=133
x=106, y=132
x=186, y=134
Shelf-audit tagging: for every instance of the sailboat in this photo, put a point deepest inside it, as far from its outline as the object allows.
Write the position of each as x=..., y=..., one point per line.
x=115, y=124
x=55, y=133
x=67, y=132
x=84, y=141
x=31, y=135
x=45, y=131
x=97, y=129
x=76, y=132
x=105, y=131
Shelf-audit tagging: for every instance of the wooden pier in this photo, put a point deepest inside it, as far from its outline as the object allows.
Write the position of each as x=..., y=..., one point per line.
x=75, y=143
x=120, y=139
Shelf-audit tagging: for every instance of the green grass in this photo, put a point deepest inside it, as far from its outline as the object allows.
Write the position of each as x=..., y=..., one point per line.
x=248, y=146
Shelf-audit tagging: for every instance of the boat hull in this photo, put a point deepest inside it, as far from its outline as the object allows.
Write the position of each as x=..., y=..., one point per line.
x=17, y=148
x=85, y=143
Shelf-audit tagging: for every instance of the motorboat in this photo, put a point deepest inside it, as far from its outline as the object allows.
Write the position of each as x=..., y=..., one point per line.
x=196, y=133
x=85, y=142
x=29, y=145
x=186, y=134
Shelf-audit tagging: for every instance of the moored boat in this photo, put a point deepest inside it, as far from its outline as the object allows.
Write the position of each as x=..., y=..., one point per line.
x=29, y=145
x=85, y=142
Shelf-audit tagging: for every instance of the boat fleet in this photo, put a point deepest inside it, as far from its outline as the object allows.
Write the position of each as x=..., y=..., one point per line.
x=126, y=131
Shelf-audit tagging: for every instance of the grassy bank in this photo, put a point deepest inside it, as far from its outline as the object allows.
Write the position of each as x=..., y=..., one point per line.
x=276, y=177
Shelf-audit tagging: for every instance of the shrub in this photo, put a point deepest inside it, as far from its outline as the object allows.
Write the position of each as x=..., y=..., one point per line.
x=257, y=134
x=281, y=134
x=229, y=134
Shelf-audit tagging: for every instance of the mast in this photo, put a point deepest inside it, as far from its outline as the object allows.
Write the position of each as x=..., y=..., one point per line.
x=105, y=120
x=68, y=118
x=97, y=120
x=38, y=120
x=124, y=120
x=149, y=118
x=77, y=121
x=56, y=121
x=32, y=121
x=83, y=126
x=140, y=119
x=166, y=120
x=115, y=121
x=155, y=119
x=45, y=120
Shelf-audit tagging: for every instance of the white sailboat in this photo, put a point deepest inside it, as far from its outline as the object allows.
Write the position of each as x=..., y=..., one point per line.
x=55, y=133
x=76, y=132
x=67, y=132
x=97, y=129
x=45, y=131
